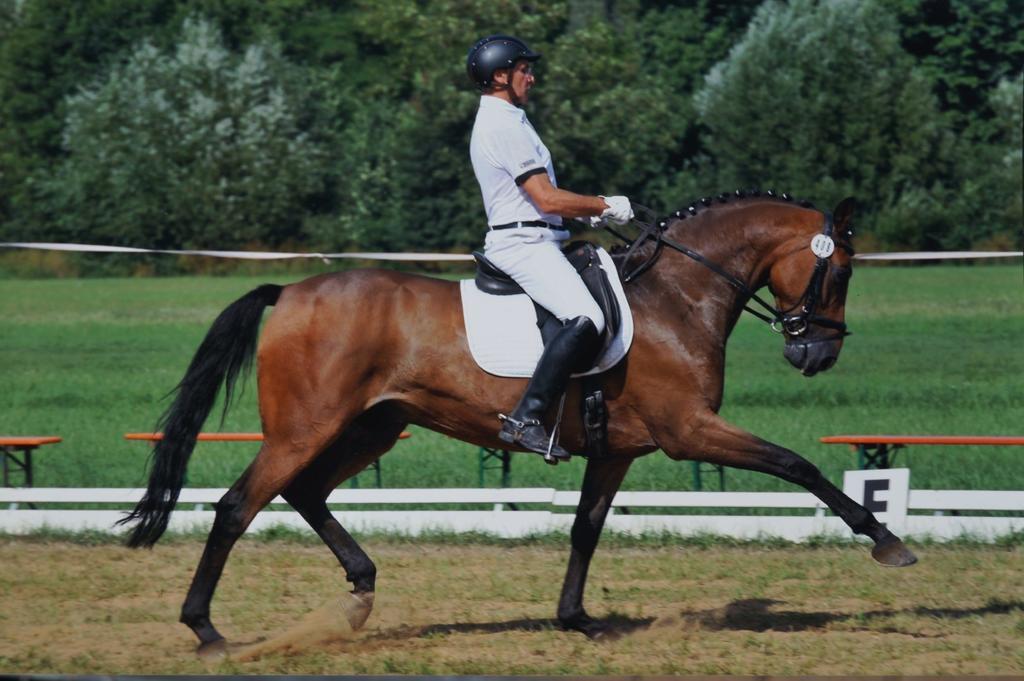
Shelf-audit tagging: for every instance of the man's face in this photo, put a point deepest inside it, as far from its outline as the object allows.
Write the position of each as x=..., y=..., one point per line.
x=520, y=80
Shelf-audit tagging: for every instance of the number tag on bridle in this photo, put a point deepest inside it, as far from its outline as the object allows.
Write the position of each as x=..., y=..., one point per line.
x=822, y=245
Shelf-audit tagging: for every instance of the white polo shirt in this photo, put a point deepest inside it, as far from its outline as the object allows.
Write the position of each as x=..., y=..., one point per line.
x=505, y=150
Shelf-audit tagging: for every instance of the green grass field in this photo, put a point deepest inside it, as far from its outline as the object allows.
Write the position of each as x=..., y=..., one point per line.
x=934, y=350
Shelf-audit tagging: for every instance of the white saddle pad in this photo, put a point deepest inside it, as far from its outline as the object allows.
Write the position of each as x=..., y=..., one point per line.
x=503, y=334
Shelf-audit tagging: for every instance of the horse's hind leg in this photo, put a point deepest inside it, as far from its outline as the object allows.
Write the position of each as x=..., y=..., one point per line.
x=710, y=438
x=272, y=469
x=365, y=440
x=228, y=525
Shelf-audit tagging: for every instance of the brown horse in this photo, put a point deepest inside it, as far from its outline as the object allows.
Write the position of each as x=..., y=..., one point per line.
x=347, y=360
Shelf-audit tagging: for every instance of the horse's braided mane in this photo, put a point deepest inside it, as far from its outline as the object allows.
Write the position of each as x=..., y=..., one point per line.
x=708, y=202
x=704, y=204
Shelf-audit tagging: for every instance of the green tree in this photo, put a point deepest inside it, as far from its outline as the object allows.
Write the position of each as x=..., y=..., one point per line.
x=914, y=107
x=202, y=147
x=8, y=25
x=51, y=48
x=617, y=98
x=403, y=113
x=610, y=123
x=987, y=211
x=8, y=19
x=966, y=47
x=972, y=51
x=820, y=100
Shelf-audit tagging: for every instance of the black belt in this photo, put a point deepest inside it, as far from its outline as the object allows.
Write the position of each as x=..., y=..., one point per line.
x=530, y=223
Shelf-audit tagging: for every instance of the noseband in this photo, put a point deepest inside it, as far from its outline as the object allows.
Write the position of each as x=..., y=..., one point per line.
x=793, y=321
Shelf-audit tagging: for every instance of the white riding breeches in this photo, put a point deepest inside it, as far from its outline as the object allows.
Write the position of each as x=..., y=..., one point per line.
x=532, y=256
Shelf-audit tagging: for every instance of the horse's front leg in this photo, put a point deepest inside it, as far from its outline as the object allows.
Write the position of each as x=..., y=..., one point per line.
x=707, y=437
x=600, y=483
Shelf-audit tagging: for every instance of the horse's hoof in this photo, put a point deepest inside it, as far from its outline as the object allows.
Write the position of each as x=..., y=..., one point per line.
x=213, y=650
x=601, y=632
x=595, y=630
x=357, y=609
x=891, y=552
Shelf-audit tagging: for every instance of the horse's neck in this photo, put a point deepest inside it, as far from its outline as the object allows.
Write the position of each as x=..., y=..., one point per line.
x=743, y=241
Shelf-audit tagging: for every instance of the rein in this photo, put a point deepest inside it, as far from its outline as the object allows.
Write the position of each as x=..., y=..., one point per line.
x=780, y=321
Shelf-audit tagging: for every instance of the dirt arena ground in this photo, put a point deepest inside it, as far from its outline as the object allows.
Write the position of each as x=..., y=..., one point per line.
x=485, y=609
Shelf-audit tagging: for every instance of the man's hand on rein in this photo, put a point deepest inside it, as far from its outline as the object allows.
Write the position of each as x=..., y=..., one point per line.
x=618, y=211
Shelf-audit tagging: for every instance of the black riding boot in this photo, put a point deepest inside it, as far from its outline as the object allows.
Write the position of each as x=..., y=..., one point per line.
x=574, y=345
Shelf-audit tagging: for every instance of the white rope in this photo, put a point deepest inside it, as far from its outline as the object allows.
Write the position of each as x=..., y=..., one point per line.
x=432, y=257
x=939, y=255
x=245, y=255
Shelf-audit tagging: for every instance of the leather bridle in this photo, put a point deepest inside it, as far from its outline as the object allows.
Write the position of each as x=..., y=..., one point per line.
x=792, y=322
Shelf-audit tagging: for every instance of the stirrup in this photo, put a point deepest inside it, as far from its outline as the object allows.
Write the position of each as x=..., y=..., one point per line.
x=513, y=431
x=553, y=440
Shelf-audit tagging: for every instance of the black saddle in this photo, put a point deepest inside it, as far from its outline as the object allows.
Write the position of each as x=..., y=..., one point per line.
x=583, y=256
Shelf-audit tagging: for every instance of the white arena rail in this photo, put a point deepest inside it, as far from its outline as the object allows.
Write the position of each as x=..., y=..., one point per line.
x=427, y=257
x=915, y=513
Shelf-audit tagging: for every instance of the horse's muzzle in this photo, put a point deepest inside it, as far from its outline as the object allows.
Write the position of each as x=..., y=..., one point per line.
x=811, y=356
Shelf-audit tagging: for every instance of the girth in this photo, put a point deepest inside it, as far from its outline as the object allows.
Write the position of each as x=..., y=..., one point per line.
x=582, y=255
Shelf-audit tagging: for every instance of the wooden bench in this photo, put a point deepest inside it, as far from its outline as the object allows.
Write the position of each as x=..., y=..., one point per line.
x=11, y=444
x=878, y=451
x=253, y=437
x=501, y=460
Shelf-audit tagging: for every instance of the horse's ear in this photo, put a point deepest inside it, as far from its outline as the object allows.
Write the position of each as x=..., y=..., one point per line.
x=843, y=214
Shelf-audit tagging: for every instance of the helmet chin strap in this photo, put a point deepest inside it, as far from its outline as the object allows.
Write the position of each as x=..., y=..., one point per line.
x=516, y=101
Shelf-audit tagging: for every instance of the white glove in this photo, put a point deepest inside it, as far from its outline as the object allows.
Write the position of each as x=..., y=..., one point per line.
x=618, y=211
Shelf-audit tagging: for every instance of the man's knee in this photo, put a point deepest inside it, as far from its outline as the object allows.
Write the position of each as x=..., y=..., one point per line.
x=588, y=342
x=584, y=325
x=595, y=317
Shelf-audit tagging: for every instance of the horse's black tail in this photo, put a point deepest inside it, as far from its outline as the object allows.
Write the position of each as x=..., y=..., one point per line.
x=227, y=351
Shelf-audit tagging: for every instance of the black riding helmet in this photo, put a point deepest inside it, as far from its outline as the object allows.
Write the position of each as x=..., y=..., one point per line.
x=495, y=52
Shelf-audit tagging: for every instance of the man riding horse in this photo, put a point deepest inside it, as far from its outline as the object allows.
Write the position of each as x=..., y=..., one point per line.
x=524, y=209
x=337, y=386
